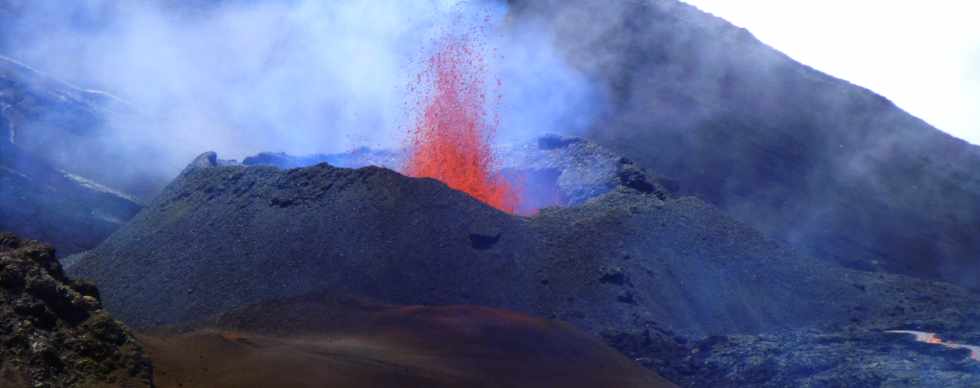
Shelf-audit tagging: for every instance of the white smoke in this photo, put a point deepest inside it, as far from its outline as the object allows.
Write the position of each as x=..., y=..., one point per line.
x=307, y=76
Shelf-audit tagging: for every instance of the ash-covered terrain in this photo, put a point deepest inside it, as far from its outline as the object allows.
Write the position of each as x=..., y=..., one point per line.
x=830, y=168
x=658, y=277
x=40, y=195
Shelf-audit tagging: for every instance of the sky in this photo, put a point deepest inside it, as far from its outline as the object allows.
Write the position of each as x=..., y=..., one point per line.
x=922, y=55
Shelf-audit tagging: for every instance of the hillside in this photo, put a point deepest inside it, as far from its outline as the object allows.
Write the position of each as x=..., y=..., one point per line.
x=40, y=201
x=224, y=236
x=833, y=169
x=46, y=129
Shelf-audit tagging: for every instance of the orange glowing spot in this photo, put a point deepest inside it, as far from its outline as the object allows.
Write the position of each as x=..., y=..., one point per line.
x=451, y=140
x=934, y=339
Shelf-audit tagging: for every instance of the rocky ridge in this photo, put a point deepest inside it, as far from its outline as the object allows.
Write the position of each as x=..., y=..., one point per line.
x=54, y=331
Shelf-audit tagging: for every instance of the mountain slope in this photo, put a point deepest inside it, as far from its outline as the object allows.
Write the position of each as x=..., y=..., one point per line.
x=224, y=236
x=48, y=133
x=833, y=169
x=42, y=202
x=73, y=129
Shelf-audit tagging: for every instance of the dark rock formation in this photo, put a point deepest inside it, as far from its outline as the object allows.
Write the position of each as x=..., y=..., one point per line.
x=554, y=170
x=220, y=237
x=858, y=358
x=856, y=355
x=833, y=169
x=54, y=332
x=566, y=171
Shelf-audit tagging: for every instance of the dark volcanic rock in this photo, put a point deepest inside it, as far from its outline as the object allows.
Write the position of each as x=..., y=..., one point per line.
x=54, y=332
x=860, y=353
x=220, y=237
x=833, y=169
x=563, y=171
x=554, y=170
x=857, y=357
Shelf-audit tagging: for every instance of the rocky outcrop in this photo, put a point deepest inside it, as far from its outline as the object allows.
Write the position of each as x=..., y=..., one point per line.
x=813, y=358
x=553, y=170
x=875, y=352
x=54, y=332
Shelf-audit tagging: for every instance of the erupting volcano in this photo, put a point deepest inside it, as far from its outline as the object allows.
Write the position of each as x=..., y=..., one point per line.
x=451, y=140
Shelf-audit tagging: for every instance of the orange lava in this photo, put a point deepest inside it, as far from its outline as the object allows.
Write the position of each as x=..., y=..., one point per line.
x=451, y=140
x=934, y=339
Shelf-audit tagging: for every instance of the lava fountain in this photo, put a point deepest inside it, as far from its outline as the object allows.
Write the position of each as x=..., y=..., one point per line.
x=451, y=140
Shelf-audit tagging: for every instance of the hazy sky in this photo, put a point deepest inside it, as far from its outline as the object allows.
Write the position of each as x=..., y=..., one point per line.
x=922, y=55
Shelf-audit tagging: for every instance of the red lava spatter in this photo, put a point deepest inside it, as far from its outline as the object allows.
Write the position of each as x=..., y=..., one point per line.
x=451, y=140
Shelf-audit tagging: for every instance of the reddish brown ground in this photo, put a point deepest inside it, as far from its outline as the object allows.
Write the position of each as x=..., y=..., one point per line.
x=358, y=345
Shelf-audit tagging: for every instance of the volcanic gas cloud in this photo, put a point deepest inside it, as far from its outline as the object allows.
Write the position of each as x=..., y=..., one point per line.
x=452, y=137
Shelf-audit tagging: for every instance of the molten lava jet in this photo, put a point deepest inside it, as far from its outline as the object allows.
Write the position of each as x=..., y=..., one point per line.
x=451, y=140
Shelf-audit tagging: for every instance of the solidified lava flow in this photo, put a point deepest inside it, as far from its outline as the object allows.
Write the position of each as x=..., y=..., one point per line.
x=451, y=140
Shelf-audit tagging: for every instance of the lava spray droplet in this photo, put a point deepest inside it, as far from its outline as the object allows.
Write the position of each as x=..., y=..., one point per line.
x=452, y=138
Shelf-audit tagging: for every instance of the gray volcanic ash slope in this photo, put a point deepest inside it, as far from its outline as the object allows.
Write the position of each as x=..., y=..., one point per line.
x=626, y=262
x=40, y=196
x=54, y=332
x=39, y=201
x=831, y=168
x=69, y=128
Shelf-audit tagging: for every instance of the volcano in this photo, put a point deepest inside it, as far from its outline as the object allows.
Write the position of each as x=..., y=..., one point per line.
x=626, y=265
x=246, y=221
x=730, y=218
